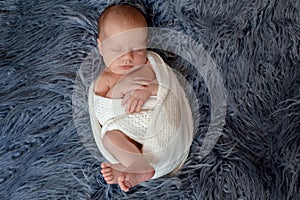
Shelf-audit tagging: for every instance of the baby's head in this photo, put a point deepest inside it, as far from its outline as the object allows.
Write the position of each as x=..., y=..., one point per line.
x=122, y=37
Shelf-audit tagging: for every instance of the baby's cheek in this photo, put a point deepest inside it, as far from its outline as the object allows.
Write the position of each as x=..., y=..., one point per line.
x=109, y=60
x=141, y=60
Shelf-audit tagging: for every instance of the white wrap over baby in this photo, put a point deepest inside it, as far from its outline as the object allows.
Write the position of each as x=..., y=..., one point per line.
x=164, y=126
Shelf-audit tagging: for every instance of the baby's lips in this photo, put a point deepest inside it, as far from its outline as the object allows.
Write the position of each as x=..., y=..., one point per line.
x=126, y=67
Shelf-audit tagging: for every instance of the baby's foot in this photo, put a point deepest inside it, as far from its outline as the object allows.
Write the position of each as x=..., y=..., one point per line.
x=111, y=172
x=128, y=180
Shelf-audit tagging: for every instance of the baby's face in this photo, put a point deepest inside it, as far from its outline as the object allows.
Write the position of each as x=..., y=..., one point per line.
x=123, y=47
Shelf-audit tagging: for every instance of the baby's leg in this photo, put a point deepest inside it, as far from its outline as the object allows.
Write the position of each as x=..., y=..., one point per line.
x=133, y=168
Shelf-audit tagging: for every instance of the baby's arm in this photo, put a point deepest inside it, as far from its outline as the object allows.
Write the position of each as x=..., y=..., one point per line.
x=128, y=84
x=109, y=87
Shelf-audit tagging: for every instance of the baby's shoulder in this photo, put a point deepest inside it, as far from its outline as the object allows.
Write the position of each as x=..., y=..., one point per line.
x=102, y=82
x=103, y=77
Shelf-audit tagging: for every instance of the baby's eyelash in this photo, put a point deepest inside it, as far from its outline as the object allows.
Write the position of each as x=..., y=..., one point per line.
x=137, y=50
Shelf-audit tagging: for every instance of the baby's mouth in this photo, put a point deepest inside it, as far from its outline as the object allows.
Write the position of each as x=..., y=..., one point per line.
x=126, y=67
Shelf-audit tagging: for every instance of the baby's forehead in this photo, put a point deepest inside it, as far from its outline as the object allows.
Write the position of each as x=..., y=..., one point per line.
x=115, y=32
x=123, y=24
x=126, y=39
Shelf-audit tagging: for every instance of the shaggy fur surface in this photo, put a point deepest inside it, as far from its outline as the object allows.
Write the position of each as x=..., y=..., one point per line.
x=255, y=44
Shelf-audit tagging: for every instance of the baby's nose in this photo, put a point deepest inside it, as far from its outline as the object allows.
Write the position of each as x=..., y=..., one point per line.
x=128, y=55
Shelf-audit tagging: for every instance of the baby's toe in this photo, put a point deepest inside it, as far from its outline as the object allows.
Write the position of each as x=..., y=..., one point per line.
x=106, y=171
x=122, y=183
x=105, y=165
x=108, y=178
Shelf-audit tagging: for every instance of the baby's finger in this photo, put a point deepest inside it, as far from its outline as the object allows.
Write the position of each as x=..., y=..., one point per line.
x=154, y=82
x=128, y=104
x=132, y=105
x=142, y=78
x=142, y=82
x=139, y=87
x=134, y=87
x=128, y=108
x=125, y=99
x=139, y=106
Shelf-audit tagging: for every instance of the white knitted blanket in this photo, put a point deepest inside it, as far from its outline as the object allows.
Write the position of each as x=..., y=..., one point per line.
x=164, y=126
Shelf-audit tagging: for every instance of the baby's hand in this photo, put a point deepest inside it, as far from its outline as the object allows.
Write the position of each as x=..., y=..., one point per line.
x=135, y=100
x=129, y=84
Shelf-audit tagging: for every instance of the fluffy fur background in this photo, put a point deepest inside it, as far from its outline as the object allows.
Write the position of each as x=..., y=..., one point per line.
x=256, y=45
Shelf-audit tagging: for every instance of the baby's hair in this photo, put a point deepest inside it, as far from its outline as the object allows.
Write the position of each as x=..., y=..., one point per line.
x=121, y=12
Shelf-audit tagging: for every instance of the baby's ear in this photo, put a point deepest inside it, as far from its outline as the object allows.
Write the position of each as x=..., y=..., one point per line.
x=99, y=46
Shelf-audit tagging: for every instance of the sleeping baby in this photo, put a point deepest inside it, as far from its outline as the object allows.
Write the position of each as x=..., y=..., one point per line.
x=140, y=116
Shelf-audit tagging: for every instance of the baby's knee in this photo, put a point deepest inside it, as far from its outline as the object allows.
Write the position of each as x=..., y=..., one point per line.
x=108, y=139
x=113, y=138
x=112, y=135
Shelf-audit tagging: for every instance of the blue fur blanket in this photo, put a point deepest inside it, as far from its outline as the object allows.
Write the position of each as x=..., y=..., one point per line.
x=46, y=151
